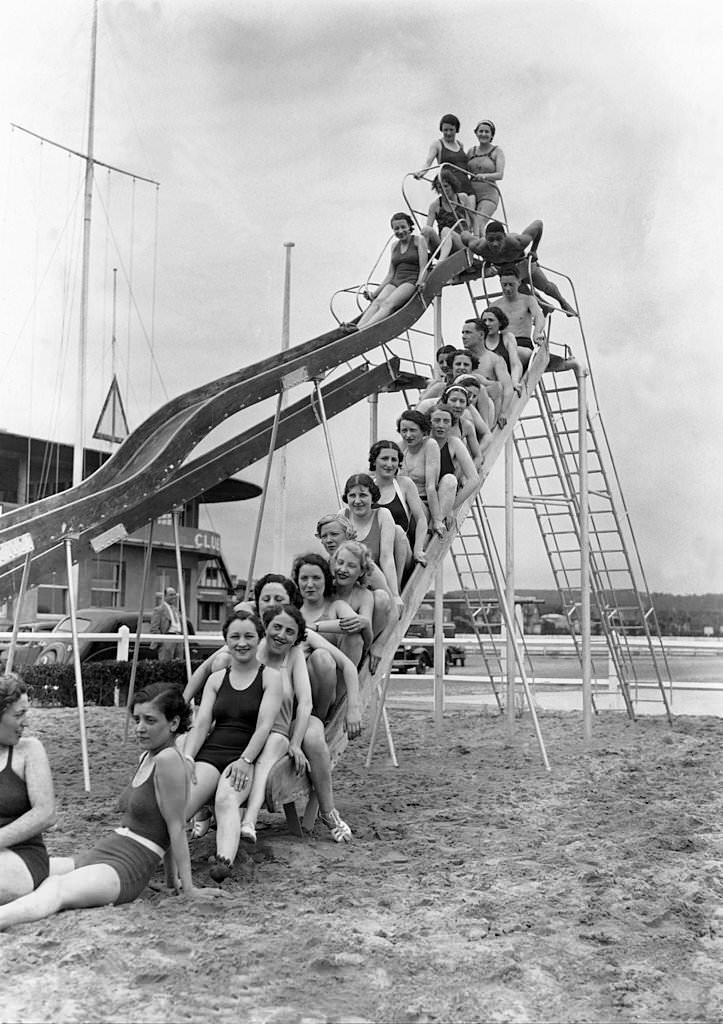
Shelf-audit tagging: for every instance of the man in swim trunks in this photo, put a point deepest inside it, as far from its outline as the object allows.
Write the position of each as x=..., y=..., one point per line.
x=523, y=311
x=491, y=370
x=501, y=250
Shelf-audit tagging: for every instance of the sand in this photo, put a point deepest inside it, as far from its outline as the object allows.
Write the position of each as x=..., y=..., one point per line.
x=478, y=888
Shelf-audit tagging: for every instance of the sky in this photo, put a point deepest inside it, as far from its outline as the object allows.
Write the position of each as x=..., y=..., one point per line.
x=269, y=122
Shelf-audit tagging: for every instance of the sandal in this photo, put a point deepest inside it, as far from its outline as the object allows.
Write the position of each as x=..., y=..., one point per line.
x=340, y=831
x=221, y=870
x=201, y=824
x=248, y=833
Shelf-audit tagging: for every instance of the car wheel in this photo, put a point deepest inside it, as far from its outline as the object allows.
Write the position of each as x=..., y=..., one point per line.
x=423, y=664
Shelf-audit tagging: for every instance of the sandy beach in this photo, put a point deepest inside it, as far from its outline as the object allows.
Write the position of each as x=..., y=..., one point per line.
x=478, y=888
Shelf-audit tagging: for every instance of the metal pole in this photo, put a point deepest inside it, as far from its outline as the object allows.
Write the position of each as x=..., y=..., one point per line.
x=327, y=439
x=85, y=270
x=584, y=556
x=439, y=647
x=373, y=418
x=280, y=516
x=437, y=303
x=181, y=592
x=511, y=643
x=18, y=612
x=76, y=665
x=139, y=626
x=264, y=492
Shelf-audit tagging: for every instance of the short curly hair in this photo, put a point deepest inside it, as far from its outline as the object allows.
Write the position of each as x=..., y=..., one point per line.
x=12, y=688
x=362, y=480
x=361, y=553
x=499, y=315
x=271, y=613
x=415, y=416
x=341, y=519
x=312, y=558
x=474, y=360
x=289, y=586
x=243, y=616
x=379, y=446
x=169, y=700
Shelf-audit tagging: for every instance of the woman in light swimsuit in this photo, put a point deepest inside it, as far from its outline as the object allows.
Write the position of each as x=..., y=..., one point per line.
x=420, y=462
x=374, y=528
x=486, y=165
x=406, y=272
x=152, y=828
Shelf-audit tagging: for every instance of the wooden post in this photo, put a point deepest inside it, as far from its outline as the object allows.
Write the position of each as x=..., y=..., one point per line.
x=280, y=515
x=18, y=612
x=181, y=592
x=139, y=626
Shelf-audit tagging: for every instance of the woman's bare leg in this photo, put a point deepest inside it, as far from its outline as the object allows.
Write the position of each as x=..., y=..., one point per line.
x=274, y=749
x=96, y=885
x=228, y=820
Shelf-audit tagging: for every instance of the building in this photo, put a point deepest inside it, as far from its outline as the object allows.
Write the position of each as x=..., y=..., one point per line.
x=31, y=469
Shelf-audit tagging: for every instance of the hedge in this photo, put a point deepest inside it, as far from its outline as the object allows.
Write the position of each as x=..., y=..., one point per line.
x=54, y=685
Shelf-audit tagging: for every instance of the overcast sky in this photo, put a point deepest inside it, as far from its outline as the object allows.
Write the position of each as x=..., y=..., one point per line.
x=268, y=122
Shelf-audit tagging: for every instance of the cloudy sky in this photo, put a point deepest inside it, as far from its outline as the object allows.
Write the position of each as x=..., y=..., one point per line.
x=276, y=121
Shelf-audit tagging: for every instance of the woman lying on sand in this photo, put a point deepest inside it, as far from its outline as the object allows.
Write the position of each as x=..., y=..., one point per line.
x=152, y=827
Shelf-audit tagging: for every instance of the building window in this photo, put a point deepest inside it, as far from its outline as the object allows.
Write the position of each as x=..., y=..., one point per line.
x=210, y=576
x=52, y=600
x=210, y=613
x=107, y=588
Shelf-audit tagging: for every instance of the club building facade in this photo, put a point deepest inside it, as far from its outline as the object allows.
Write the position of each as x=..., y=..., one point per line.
x=31, y=469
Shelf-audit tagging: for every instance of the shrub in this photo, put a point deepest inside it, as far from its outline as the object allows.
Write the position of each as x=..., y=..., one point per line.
x=55, y=684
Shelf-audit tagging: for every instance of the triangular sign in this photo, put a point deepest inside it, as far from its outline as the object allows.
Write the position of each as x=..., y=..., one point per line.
x=112, y=424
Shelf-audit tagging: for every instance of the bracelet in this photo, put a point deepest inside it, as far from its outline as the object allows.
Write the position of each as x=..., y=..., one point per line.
x=246, y=760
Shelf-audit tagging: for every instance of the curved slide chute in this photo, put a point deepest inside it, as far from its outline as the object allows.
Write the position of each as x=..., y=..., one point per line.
x=148, y=473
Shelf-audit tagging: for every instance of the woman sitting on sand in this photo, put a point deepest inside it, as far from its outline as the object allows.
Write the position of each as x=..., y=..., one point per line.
x=406, y=272
x=152, y=827
x=27, y=804
x=296, y=731
x=238, y=709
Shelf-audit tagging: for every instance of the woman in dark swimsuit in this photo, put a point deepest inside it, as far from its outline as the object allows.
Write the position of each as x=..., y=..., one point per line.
x=450, y=216
x=449, y=154
x=27, y=805
x=120, y=866
x=243, y=702
x=406, y=271
x=399, y=495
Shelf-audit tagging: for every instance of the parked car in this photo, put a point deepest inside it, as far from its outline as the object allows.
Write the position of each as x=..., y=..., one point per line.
x=420, y=657
x=99, y=620
x=26, y=651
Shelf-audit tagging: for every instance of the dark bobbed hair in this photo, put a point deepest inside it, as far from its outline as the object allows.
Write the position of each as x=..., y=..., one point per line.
x=243, y=616
x=271, y=613
x=168, y=698
x=449, y=119
x=289, y=586
x=379, y=446
x=465, y=352
x=499, y=315
x=402, y=216
x=444, y=177
x=312, y=558
x=511, y=270
x=362, y=480
x=12, y=688
x=415, y=416
x=445, y=349
x=495, y=228
x=490, y=125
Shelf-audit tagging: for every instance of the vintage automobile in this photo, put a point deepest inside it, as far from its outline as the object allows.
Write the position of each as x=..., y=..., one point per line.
x=420, y=657
x=26, y=651
x=99, y=620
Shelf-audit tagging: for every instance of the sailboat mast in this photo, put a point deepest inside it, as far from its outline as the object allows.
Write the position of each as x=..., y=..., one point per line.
x=85, y=271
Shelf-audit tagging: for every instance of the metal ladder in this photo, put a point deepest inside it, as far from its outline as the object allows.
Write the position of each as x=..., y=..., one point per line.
x=546, y=442
x=478, y=567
